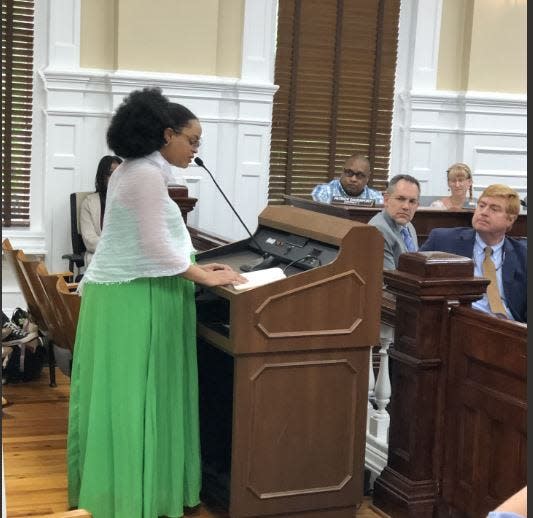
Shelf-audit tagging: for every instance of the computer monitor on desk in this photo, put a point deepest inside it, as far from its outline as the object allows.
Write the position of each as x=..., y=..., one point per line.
x=283, y=368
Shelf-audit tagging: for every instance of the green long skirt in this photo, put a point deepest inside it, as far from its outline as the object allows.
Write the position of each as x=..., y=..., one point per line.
x=133, y=433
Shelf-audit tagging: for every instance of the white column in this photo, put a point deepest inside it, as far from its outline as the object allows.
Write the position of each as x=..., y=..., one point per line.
x=416, y=71
x=426, y=45
x=64, y=36
x=259, y=41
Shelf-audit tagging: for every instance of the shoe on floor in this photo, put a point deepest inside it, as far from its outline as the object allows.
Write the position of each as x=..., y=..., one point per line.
x=21, y=319
x=19, y=316
x=12, y=335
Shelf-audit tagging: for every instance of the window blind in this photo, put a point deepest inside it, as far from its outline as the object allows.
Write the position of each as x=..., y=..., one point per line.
x=17, y=86
x=335, y=67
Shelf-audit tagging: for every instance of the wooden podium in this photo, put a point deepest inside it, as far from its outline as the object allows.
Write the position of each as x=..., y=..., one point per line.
x=283, y=369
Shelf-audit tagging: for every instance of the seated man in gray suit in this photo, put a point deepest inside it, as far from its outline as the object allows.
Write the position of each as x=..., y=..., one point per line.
x=394, y=221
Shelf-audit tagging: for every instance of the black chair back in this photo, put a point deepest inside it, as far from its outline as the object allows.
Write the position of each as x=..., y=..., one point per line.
x=78, y=246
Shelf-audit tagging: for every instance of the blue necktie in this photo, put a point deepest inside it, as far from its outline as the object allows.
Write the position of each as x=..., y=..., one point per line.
x=408, y=240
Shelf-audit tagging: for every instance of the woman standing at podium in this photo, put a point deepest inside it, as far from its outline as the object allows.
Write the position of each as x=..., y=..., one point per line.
x=133, y=439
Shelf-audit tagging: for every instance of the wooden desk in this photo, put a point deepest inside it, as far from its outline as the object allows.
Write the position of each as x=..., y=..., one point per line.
x=424, y=221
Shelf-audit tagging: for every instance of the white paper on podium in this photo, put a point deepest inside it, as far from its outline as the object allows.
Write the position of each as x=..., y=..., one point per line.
x=260, y=277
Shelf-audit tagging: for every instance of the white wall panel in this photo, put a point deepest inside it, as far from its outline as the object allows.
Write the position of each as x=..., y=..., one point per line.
x=61, y=178
x=440, y=128
x=500, y=164
x=251, y=191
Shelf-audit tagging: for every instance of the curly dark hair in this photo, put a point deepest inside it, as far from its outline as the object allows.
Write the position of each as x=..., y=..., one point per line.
x=103, y=171
x=138, y=125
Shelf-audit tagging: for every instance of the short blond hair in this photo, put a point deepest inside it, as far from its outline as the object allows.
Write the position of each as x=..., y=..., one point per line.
x=504, y=191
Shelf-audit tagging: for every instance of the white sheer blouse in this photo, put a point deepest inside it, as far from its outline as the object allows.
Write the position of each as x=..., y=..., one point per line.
x=144, y=234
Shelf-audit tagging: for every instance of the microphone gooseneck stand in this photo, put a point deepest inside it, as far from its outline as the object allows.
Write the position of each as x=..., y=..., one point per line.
x=267, y=260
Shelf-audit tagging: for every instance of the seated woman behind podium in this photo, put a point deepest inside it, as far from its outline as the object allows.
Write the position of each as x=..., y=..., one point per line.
x=133, y=437
x=93, y=206
x=459, y=179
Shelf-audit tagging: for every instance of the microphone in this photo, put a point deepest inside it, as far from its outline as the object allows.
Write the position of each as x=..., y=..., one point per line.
x=268, y=260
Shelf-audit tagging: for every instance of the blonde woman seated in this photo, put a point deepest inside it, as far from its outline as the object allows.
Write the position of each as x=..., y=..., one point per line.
x=459, y=184
x=93, y=206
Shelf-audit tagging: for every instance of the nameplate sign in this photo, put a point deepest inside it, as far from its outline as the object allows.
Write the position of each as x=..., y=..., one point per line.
x=346, y=200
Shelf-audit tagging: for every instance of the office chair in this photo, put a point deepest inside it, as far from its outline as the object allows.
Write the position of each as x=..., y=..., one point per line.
x=77, y=257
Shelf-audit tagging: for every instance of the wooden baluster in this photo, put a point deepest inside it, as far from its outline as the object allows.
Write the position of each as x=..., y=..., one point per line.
x=377, y=431
x=371, y=384
x=379, y=424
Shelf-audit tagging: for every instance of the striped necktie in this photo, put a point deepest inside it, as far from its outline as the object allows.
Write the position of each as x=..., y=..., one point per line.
x=408, y=240
x=493, y=293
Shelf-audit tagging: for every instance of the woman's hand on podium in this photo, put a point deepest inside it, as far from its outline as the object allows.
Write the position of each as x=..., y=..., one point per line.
x=211, y=267
x=213, y=274
x=221, y=277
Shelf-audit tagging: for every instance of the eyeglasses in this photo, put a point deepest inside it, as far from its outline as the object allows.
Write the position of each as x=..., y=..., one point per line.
x=194, y=142
x=458, y=180
x=402, y=199
x=358, y=174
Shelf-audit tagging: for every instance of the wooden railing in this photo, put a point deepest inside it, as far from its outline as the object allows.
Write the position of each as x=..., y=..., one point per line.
x=457, y=433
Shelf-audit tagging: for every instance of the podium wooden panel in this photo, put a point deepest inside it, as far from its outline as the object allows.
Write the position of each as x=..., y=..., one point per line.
x=283, y=372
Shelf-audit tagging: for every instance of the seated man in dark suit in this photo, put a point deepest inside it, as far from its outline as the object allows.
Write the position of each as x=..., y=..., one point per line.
x=497, y=257
x=394, y=221
x=351, y=184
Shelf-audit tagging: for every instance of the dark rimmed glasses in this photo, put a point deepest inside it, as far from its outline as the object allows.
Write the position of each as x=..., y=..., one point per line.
x=358, y=174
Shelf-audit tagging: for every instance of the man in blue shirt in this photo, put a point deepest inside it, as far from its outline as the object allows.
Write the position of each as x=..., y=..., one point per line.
x=351, y=184
x=493, y=253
